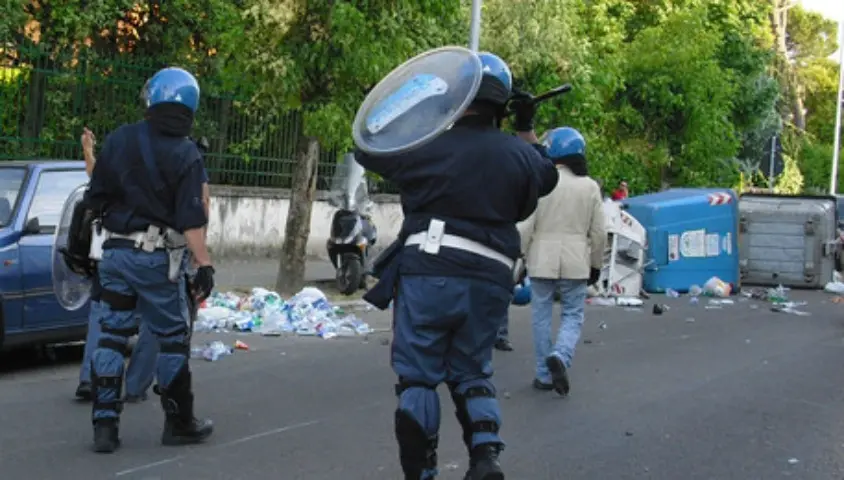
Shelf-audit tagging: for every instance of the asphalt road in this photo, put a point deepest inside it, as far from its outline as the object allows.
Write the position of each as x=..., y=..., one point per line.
x=731, y=393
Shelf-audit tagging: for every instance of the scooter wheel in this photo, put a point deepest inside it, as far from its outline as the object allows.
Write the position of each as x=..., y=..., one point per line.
x=349, y=274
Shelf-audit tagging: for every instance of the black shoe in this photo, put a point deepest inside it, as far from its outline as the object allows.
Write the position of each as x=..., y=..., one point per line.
x=484, y=463
x=83, y=391
x=181, y=427
x=559, y=377
x=135, y=398
x=540, y=385
x=179, y=432
x=106, y=438
x=504, y=345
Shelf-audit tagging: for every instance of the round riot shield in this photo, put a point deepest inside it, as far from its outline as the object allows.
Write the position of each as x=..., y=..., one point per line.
x=72, y=290
x=417, y=101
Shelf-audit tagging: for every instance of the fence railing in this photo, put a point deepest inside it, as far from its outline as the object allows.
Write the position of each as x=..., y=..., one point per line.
x=47, y=98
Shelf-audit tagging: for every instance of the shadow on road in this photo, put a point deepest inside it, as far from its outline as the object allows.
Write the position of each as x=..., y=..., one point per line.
x=32, y=358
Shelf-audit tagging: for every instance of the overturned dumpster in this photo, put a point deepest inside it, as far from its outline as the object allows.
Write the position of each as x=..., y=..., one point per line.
x=692, y=237
x=788, y=240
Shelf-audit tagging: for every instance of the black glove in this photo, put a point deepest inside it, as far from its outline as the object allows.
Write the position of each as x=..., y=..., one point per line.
x=203, y=282
x=521, y=103
x=594, y=276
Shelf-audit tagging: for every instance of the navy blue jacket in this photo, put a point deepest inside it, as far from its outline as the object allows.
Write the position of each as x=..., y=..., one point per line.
x=132, y=197
x=477, y=179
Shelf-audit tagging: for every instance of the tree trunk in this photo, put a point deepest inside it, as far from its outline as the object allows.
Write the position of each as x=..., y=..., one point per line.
x=291, y=271
x=779, y=23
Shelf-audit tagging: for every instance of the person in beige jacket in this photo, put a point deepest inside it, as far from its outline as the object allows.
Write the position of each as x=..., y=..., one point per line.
x=564, y=243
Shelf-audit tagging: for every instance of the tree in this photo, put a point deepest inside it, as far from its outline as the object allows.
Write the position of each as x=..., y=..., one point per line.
x=319, y=57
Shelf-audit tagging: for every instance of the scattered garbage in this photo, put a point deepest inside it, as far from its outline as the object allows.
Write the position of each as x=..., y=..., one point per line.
x=790, y=307
x=307, y=313
x=834, y=287
x=715, y=287
x=793, y=461
x=671, y=293
x=628, y=302
x=211, y=351
x=660, y=309
x=722, y=301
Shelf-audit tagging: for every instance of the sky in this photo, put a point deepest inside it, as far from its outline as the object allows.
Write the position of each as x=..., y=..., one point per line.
x=832, y=9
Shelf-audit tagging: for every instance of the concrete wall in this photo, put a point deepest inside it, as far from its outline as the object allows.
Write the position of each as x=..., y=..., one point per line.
x=248, y=221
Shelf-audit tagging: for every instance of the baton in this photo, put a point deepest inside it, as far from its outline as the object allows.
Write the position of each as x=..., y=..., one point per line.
x=542, y=97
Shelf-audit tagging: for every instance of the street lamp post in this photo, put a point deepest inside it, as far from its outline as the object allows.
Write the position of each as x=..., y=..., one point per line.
x=475, y=26
x=837, y=144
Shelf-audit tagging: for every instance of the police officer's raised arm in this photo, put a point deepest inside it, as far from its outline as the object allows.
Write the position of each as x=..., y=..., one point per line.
x=544, y=170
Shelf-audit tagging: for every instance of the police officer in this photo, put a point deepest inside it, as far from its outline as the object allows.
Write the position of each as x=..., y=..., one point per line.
x=139, y=375
x=147, y=186
x=451, y=270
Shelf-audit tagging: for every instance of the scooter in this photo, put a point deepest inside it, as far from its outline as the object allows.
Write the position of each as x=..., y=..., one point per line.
x=352, y=233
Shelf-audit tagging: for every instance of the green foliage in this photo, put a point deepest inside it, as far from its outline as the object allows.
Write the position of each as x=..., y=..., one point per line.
x=668, y=92
x=810, y=35
x=323, y=55
x=791, y=180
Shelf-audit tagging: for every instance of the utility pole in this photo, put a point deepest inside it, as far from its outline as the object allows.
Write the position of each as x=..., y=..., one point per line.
x=475, y=26
x=833, y=181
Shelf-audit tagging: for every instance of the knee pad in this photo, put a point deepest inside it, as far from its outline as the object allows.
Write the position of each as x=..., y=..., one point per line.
x=417, y=425
x=478, y=411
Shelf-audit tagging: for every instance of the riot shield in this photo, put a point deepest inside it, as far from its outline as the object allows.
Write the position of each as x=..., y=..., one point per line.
x=72, y=290
x=417, y=101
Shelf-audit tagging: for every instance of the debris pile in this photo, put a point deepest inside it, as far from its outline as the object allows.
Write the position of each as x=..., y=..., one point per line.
x=778, y=298
x=307, y=313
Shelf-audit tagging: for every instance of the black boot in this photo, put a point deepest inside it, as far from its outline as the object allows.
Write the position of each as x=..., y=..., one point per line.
x=180, y=425
x=483, y=463
x=83, y=391
x=106, y=437
x=462, y=417
x=417, y=451
x=504, y=345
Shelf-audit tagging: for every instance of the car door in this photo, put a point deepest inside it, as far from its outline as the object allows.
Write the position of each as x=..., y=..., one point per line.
x=41, y=309
x=12, y=181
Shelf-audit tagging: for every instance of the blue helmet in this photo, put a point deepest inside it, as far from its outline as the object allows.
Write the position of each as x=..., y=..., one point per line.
x=564, y=142
x=522, y=293
x=172, y=85
x=497, y=81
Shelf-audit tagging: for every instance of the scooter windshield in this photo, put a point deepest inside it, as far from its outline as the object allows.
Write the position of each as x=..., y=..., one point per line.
x=348, y=186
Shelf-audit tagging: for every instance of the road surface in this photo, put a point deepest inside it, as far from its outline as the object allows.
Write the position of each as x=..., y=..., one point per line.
x=738, y=393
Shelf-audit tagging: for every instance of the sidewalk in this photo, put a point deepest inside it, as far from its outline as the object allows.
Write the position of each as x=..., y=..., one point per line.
x=262, y=271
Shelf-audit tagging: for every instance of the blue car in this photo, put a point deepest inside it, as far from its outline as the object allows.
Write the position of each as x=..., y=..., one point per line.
x=32, y=195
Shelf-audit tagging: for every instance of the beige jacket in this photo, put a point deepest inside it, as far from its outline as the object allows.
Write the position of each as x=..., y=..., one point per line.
x=565, y=235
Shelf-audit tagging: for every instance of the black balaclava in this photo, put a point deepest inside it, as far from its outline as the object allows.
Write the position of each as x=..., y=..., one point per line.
x=489, y=105
x=171, y=119
x=575, y=163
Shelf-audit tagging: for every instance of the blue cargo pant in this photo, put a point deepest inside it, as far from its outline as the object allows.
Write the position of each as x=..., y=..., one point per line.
x=444, y=329
x=135, y=286
x=141, y=369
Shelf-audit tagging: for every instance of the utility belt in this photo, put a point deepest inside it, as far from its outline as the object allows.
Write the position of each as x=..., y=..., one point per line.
x=430, y=241
x=152, y=239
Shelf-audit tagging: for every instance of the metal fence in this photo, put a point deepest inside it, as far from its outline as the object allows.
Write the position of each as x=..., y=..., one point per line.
x=47, y=98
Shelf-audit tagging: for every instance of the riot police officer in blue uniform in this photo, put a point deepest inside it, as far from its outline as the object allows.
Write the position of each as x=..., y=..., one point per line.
x=451, y=270
x=147, y=190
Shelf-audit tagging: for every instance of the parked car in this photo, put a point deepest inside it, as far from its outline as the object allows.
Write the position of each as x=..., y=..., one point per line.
x=32, y=194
